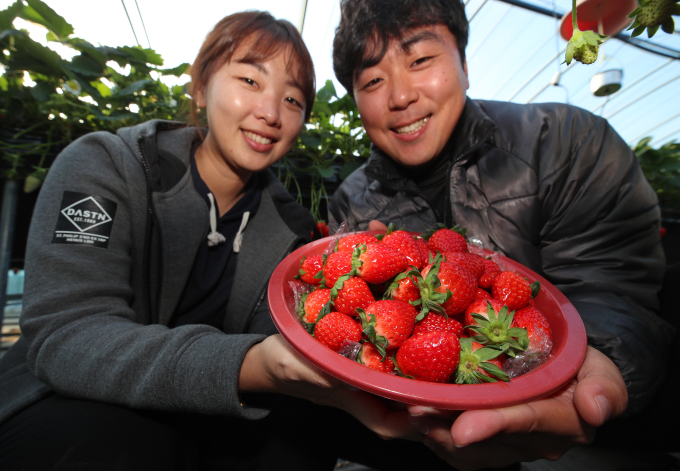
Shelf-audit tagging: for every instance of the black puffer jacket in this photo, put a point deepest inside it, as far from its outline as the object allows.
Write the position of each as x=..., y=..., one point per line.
x=556, y=189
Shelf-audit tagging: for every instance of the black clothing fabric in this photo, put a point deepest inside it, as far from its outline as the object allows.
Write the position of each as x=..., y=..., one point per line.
x=206, y=295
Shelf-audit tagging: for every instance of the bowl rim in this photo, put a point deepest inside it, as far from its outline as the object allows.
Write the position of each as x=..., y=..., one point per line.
x=538, y=383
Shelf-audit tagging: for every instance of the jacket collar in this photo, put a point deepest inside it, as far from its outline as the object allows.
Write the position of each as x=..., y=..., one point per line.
x=474, y=128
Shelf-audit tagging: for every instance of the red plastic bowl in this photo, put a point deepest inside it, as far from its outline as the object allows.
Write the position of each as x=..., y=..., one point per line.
x=569, y=349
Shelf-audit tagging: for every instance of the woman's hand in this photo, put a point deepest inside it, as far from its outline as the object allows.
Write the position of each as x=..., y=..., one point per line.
x=274, y=366
x=542, y=429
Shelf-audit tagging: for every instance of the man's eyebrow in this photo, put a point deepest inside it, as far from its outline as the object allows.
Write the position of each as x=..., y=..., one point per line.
x=406, y=44
x=425, y=35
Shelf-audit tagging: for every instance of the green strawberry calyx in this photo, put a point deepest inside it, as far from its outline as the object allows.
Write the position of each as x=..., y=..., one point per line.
x=461, y=230
x=581, y=42
x=496, y=330
x=368, y=322
x=470, y=362
x=431, y=300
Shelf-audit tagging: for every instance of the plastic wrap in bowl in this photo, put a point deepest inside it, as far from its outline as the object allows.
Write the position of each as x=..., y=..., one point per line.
x=569, y=348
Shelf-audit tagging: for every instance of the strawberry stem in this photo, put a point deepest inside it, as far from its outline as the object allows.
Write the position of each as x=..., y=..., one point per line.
x=573, y=15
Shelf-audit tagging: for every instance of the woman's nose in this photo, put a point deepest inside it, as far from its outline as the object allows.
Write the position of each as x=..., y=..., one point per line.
x=268, y=110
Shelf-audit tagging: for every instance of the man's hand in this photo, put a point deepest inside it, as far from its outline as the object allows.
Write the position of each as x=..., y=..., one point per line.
x=376, y=225
x=542, y=429
x=273, y=366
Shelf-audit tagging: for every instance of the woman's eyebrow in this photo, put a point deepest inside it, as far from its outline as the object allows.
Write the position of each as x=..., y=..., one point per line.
x=257, y=65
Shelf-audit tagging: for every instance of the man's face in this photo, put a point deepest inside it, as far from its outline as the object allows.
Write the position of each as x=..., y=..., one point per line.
x=411, y=100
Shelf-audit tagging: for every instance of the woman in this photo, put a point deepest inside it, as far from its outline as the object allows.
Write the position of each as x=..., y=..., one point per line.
x=145, y=317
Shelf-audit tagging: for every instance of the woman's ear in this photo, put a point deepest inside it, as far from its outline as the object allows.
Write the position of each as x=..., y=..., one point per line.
x=200, y=99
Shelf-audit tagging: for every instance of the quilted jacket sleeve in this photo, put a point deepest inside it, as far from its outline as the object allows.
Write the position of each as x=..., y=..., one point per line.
x=601, y=247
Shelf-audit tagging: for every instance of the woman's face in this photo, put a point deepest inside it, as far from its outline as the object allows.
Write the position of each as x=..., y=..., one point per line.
x=255, y=112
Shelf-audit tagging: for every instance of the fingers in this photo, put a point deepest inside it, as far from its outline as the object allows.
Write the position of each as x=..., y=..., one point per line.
x=601, y=393
x=375, y=414
x=376, y=225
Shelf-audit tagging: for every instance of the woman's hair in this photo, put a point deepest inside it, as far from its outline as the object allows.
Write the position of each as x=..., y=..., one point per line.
x=368, y=26
x=266, y=37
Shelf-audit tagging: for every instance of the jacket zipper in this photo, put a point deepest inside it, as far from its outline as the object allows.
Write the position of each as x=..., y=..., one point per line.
x=151, y=222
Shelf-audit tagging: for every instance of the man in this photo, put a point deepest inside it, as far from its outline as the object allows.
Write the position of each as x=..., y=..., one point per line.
x=550, y=186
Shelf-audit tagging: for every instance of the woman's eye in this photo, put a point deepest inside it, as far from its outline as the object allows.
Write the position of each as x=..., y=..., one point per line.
x=294, y=101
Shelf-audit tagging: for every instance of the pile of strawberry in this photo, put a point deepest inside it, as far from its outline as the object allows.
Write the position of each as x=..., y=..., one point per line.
x=423, y=307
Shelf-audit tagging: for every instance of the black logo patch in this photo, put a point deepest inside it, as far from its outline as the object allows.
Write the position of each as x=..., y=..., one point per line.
x=84, y=220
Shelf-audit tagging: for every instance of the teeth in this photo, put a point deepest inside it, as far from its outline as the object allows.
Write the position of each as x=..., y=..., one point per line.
x=257, y=138
x=413, y=127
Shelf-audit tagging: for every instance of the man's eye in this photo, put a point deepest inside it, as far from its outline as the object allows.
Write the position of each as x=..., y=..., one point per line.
x=372, y=82
x=248, y=80
x=422, y=60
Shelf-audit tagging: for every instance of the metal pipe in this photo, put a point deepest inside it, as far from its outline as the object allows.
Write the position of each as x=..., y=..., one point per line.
x=633, y=84
x=537, y=74
x=10, y=197
x=665, y=137
x=648, y=132
x=303, y=15
x=642, y=96
x=130, y=21
x=478, y=9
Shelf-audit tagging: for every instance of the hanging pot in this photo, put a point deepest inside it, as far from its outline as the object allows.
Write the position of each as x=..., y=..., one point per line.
x=607, y=82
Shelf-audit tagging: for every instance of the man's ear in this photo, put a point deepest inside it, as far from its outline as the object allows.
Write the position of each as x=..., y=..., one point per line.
x=467, y=79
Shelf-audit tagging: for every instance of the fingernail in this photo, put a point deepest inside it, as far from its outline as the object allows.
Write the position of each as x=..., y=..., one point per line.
x=422, y=426
x=415, y=411
x=604, y=407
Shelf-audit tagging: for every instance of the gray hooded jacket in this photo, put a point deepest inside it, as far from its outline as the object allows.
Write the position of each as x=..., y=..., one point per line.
x=96, y=308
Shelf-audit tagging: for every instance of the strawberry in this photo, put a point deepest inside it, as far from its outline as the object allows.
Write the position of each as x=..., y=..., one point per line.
x=472, y=262
x=377, y=263
x=432, y=356
x=480, y=306
x=403, y=243
x=445, y=288
x=311, y=269
x=350, y=293
x=423, y=248
x=447, y=240
x=654, y=13
x=513, y=290
x=495, y=327
x=371, y=357
x=482, y=294
x=336, y=330
x=583, y=45
x=479, y=364
x=337, y=264
x=387, y=323
x=323, y=229
x=311, y=305
x=538, y=329
x=433, y=322
x=403, y=288
x=348, y=243
x=491, y=271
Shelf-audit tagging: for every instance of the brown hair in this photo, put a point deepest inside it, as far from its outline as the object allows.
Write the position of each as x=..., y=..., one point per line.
x=269, y=36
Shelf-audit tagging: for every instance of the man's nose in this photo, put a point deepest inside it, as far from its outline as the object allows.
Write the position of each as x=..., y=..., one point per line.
x=402, y=93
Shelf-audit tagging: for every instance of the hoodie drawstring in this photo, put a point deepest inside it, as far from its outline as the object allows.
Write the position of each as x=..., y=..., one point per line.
x=214, y=238
x=239, y=236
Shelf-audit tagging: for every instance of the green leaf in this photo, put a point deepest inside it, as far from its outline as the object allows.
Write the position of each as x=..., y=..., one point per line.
x=35, y=57
x=668, y=25
x=101, y=87
x=85, y=47
x=569, y=56
x=651, y=31
x=38, y=12
x=42, y=91
x=310, y=140
x=675, y=9
x=634, y=13
x=152, y=57
x=327, y=92
x=8, y=15
x=638, y=31
x=85, y=65
x=325, y=172
x=134, y=87
x=349, y=167
x=176, y=71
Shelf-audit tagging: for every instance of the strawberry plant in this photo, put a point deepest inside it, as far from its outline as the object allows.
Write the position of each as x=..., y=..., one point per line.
x=661, y=166
x=47, y=101
x=332, y=146
x=652, y=15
